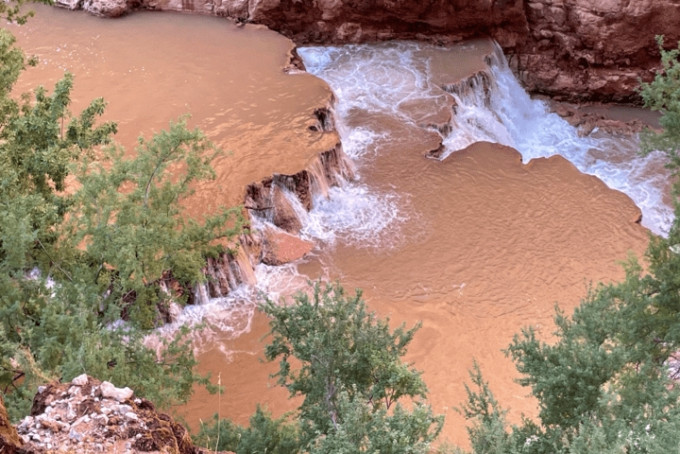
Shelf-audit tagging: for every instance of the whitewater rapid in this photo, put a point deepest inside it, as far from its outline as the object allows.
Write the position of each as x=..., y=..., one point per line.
x=388, y=79
x=401, y=85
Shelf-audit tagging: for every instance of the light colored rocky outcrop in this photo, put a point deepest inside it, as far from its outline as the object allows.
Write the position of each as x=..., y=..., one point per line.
x=88, y=416
x=105, y=8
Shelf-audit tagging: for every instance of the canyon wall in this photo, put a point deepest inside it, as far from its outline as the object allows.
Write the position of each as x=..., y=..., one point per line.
x=569, y=49
x=593, y=49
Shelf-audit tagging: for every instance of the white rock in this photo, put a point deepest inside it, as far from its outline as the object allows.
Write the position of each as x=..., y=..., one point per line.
x=122, y=409
x=70, y=4
x=119, y=394
x=41, y=389
x=25, y=424
x=82, y=419
x=71, y=413
x=74, y=391
x=75, y=435
x=102, y=420
x=131, y=416
x=80, y=380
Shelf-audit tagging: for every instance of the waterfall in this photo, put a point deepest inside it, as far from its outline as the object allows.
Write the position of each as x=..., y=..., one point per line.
x=488, y=105
x=397, y=86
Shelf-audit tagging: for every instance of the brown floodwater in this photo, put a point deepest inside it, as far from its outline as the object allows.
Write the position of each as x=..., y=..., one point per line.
x=484, y=246
x=152, y=68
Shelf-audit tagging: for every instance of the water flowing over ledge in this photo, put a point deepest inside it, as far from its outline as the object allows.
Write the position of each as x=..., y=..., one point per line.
x=490, y=105
x=404, y=84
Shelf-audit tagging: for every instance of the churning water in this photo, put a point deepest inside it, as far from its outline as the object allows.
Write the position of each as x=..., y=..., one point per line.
x=396, y=80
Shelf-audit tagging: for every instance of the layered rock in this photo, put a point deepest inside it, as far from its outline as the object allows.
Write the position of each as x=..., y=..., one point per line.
x=596, y=50
x=89, y=416
x=277, y=204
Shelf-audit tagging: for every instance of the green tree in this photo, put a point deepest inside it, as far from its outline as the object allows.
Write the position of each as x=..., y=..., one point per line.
x=605, y=385
x=346, y=364
x=341, y=347
x=12, y=10
x=265, y=435
x=71, y=264
x=662, y=95
x=128, y=219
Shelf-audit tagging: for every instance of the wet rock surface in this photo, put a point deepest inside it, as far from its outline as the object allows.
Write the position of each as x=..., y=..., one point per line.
x=89, y=416
x=280, y=247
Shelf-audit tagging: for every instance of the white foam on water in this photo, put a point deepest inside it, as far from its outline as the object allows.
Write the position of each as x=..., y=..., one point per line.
x=510, y=117
x=279, y=282
x=388, y=79
x=226, y=317
x=357, y=215
x=360, y=142
x=385, y=79
x=379, y=78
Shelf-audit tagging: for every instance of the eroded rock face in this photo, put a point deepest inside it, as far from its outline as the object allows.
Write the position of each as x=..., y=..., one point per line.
x=594, y=49
x=89, y=416
x=364, y=20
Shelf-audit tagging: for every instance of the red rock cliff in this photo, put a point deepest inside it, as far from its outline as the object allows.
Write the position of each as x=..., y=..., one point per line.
x=575, y=49
x=594, y=49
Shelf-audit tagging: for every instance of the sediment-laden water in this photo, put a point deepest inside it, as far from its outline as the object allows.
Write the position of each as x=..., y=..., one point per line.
x=475, y=244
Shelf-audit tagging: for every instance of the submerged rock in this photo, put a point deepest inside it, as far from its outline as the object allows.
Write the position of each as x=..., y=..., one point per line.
x=281, y=247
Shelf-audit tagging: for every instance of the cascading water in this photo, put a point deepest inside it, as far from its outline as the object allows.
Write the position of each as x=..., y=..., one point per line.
x=395, y=80
x=400, y=92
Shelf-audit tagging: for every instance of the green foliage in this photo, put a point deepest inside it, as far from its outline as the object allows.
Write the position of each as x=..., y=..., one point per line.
x=350, y=369
x=38, y=143
x=604, y=385
x=662, y=95
x=342, y=347
x=487, y=434
x=127, y=217
x=72, y=264
x=346, y=363
x=12, y=10
x=363, y=428
x=265, y=435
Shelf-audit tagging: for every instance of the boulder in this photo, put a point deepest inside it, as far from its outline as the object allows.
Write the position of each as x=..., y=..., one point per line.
x=279, y=247
x=106, y=8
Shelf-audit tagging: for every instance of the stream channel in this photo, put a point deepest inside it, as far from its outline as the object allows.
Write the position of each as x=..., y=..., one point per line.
x=473, y=209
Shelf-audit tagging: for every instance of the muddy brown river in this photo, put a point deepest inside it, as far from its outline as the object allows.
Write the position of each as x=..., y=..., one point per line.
x=476, y=246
